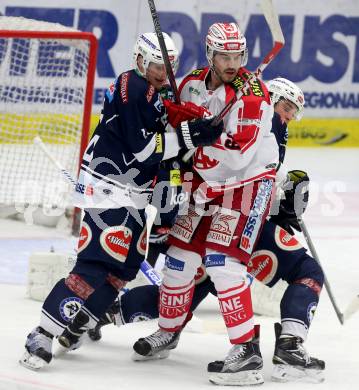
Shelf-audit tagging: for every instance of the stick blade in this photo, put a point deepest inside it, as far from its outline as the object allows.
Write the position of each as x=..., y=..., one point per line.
x=352, y=308
x=273, y=21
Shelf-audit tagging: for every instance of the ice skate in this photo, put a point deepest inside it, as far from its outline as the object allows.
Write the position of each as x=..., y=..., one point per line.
x=293, y=363
x=72, y=337
x=38, y=349
x=155, y=346
x=241, y=367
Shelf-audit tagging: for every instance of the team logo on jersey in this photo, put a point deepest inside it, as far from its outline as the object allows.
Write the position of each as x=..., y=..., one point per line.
x=285, y=240
x=186, y=225
x=202, y=161
x=223, y=226
x=142, y=242
x=111, y=90
x=263, y=265
x=85, y=237
x=116, y=242
x=140, y=316
x=312, y=307
x=69, y=307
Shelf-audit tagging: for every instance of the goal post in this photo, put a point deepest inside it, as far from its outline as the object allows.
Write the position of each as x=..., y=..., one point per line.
x=47, y=74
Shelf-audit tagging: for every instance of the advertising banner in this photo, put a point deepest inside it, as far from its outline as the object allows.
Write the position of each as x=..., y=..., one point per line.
x=321, y=53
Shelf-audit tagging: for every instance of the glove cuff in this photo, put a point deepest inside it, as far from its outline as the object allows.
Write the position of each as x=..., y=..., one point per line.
x=186, y=136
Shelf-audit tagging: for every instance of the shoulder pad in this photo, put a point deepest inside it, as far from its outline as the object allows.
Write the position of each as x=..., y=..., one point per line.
x=256, y=87
x=197, y=74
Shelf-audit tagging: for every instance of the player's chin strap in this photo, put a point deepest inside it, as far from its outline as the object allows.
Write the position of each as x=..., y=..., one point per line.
x=354, y=305
x=148, y=271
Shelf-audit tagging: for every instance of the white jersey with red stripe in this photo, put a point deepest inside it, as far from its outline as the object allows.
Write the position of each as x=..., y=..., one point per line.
x=247, y=150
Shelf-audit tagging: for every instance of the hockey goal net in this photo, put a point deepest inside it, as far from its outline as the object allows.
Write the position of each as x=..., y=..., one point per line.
x=46, y=82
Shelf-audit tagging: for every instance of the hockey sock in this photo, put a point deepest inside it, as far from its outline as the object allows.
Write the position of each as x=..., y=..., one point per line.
x=139, y=304
x=297, y=307
x=60, y=306
x=177, y=287
x=230, y=279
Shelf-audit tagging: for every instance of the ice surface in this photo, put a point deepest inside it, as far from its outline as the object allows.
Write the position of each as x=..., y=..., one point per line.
x=334, y=227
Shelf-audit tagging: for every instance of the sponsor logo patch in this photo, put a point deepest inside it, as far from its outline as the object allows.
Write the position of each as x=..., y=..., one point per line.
x=255, y=217
x=263, y=265
x=142, y=242
x=82, y=189
x=124, y=87
x=85, y=237
x=214, y=260
x=116, y=242
x=186, y=225
x=69, y=307
x=175, y=178
x=174, y=264
x=285, y=240
x=159, y=145
x=223, y=226
x=193, y=90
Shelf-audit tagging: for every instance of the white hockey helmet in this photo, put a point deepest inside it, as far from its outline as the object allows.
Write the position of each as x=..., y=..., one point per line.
x=225, y=38
x=148, y=46
x=281, y=88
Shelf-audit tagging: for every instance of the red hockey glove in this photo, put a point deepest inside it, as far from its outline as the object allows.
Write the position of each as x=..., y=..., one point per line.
x=186, y=111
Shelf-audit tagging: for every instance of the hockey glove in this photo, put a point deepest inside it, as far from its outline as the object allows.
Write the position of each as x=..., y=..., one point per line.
x=200, y=132
x=185, y=111
x=296, y=191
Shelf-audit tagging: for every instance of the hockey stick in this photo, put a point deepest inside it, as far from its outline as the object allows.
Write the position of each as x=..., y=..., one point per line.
x=161, y=41
x=148, y=271
x=277, y=35
x=314, y=253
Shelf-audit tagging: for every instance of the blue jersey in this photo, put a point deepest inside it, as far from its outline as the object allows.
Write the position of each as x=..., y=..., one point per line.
x=280, y=130
x=124, y=153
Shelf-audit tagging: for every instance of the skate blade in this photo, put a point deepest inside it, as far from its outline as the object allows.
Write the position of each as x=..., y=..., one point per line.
x=287, y=373
x=136, y=357
x=32, y=362
x=241, y=378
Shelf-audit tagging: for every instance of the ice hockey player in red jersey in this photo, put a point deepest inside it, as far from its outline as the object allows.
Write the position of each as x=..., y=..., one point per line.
x=230, y=197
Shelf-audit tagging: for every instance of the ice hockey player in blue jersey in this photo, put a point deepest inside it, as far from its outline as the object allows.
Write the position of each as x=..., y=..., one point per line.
x=278, y=255
x=115, y=184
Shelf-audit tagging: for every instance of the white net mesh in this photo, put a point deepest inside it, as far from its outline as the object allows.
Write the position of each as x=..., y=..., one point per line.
x=42, y=92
